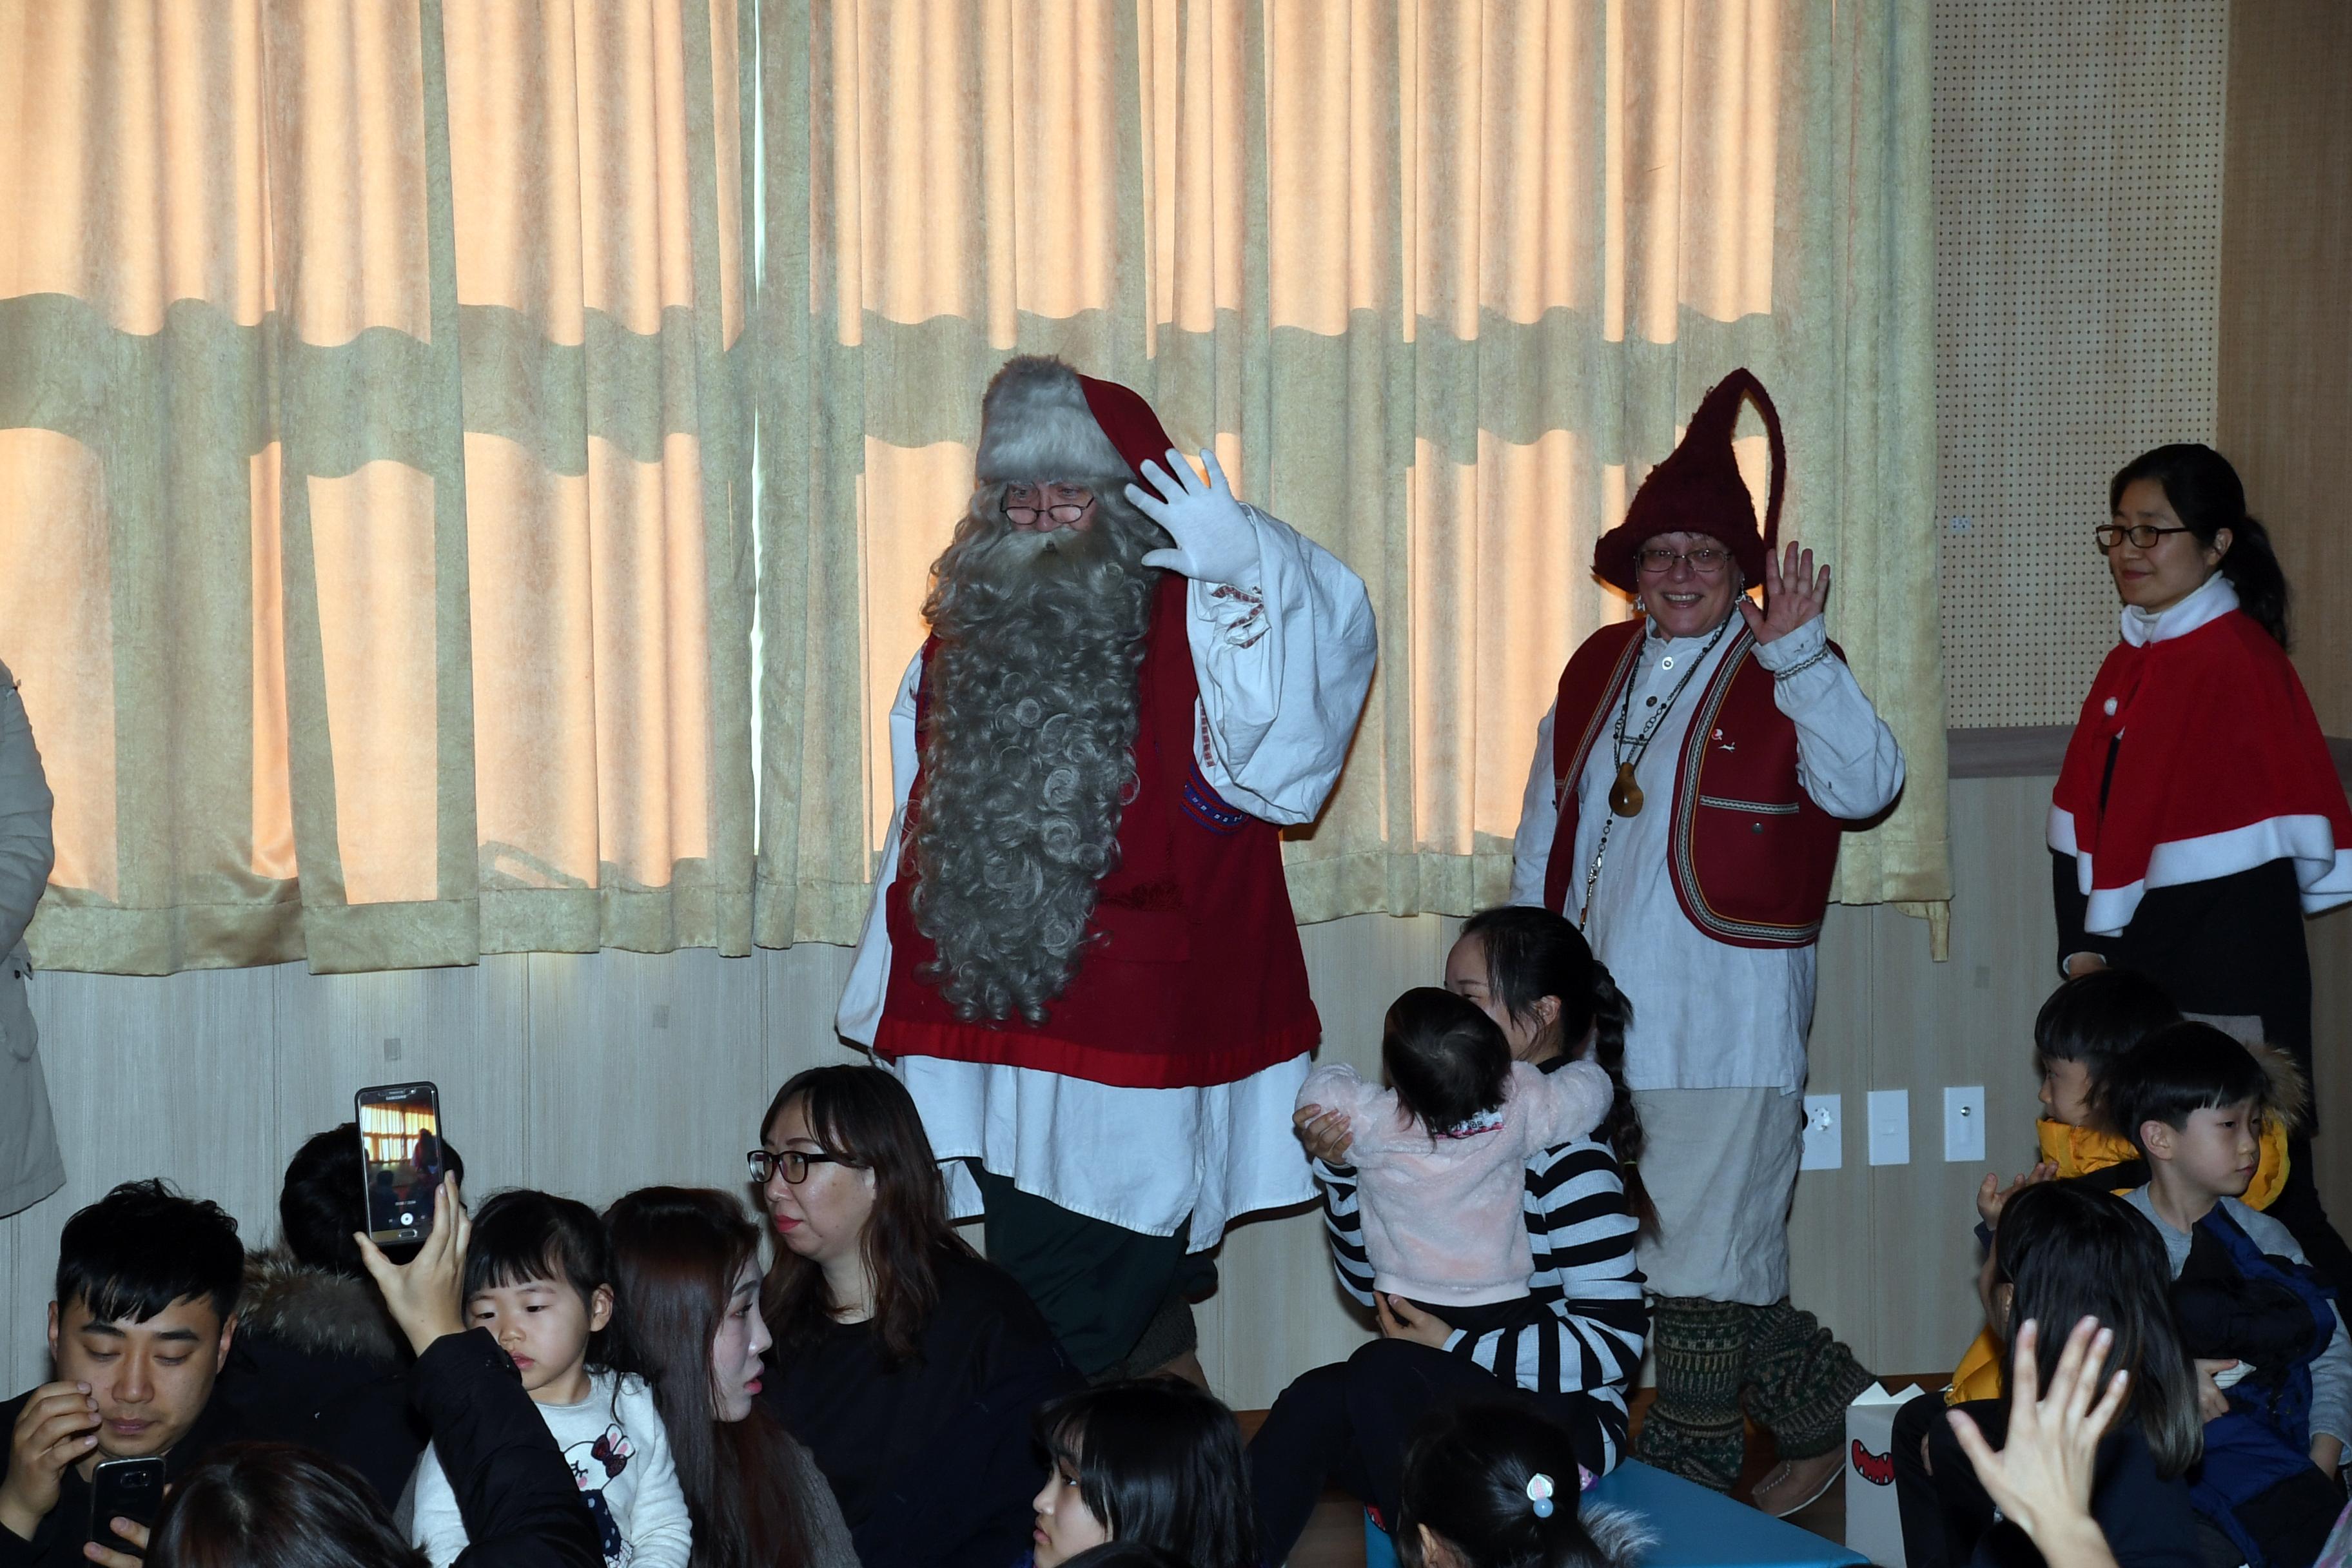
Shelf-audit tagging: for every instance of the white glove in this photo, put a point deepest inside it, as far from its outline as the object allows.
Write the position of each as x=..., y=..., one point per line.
x=1214, y=541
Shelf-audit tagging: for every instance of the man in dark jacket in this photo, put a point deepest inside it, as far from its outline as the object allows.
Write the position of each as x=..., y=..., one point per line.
x=317, y=1360
x=144, y=1316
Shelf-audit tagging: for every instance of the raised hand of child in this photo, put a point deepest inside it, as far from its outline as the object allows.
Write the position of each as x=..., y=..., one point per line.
x=2041, y=1476
x=1993, y=1197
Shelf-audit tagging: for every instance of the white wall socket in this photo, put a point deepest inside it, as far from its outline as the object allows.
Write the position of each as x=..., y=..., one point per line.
x=1823, y=1135
x=1964, y=1117
x=1890, y=1126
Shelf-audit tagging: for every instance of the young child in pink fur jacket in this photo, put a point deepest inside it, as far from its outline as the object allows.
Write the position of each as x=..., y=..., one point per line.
x=1440, y=1158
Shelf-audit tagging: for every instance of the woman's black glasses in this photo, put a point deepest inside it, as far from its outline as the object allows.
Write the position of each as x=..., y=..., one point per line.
x=792, y=1162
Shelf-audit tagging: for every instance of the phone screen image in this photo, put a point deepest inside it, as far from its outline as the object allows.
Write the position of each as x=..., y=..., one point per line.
x=400, y=1159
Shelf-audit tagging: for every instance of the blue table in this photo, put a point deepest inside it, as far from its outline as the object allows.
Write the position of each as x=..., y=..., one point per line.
x=1696, y=1528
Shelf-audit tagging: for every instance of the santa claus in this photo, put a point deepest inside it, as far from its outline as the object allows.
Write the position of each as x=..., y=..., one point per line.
x=1081, y=957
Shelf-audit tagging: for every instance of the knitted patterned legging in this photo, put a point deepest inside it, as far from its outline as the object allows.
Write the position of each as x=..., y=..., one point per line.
x=1796, y=1378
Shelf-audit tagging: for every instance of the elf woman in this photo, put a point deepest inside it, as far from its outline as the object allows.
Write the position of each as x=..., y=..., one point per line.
x=2198, y=815
x=1689, y=789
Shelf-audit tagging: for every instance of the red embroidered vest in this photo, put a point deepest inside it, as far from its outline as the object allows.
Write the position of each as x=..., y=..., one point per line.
x=1194, y=974
x=1752, y=854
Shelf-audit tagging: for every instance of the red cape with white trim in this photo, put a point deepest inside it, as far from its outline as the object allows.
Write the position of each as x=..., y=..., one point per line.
x=2219, y=767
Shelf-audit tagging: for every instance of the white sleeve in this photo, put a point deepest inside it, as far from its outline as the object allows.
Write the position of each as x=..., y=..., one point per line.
x=860, y=1012
x=1847, y=756
x=1539, y=819
x=660, y=1530
x=437, y=1528
x=1283, y=667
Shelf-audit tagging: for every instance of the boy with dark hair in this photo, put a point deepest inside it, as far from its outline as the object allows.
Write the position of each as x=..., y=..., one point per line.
x=317, y=1360
x=145, y=1311
x=2194, y=1103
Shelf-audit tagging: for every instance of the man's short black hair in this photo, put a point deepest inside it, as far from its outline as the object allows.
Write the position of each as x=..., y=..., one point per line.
x=2095, y=1018
x=2178, y=1071
x=322, y=1202
x=142, y=1247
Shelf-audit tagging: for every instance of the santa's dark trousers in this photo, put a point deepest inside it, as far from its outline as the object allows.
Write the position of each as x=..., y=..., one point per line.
x=1119, y=1301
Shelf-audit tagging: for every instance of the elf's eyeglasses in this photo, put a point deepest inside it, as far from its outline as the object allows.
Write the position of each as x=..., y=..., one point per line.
x=1706, y=560
x=2143, y=535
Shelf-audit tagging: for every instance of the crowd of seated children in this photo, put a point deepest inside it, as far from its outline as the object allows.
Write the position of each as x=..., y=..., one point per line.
x=2249, y=1308
x=2063, y=1252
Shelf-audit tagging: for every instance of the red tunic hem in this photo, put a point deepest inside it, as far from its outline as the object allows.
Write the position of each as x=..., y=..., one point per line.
x=1192, y=1067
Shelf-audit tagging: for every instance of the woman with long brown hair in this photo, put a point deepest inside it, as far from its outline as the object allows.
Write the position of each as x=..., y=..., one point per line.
x=685, y=1264
x=907, y=1365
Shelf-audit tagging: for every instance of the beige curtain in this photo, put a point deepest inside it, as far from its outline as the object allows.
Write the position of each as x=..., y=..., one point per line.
x=374, y=477
x=1439, y=279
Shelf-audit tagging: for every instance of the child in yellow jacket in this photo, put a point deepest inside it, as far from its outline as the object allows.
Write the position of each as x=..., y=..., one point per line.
x=2086, y=1024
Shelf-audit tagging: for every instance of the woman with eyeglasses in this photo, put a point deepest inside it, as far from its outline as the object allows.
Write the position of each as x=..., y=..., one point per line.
x=907, y=1365
x=1689, y=790
x=2199, y=816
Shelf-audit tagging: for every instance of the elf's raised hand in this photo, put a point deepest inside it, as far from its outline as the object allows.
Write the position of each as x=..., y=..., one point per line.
x=1214, y=542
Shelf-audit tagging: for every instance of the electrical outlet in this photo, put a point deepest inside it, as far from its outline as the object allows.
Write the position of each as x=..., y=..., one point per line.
x=1890, y=1126
x=1964, y=1116
x=1823, y=1148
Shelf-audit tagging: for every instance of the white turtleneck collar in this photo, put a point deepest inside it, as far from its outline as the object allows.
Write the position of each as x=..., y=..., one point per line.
x=2212, y=600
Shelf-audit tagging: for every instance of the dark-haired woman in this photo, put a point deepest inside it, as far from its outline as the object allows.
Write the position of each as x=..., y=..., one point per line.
x=1494, y=1487
x=1154, y=1462
x=1572, y=1356
x=686, y=1268
x=907, y=1365
x=2199, y=816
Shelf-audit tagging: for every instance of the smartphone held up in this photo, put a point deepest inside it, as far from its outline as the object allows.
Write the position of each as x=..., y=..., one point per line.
x=400, y=1159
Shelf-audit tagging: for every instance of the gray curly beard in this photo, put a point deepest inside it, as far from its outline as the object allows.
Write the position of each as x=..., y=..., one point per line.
x=1028, y=752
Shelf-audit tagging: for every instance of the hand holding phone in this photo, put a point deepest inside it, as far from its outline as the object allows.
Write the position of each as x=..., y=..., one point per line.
x=426, y=1295
x=58, y=1426
x=127, y=1489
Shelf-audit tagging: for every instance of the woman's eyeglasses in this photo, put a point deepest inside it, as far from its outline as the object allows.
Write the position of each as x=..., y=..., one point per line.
x=793, y=1162
x=1706, y=560
x=2143, y=535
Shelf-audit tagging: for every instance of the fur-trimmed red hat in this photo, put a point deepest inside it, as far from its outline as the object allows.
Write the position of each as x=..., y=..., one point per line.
x=1698, y=490
x=1042, y=420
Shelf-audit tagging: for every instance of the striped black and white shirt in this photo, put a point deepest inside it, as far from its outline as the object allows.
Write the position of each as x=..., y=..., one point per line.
x=1587, y=1322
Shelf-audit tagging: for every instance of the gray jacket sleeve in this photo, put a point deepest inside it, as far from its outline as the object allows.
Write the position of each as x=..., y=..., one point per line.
x=27, y=851
x=821, y=1521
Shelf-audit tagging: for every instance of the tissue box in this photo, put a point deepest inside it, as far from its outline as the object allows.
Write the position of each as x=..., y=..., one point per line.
x=1874, y=1526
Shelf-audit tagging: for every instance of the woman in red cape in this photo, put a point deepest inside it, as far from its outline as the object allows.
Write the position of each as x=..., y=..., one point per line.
x=2199, y=816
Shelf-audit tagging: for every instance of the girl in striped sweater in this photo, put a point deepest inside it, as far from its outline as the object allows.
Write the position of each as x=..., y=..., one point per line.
x=1577, y=1346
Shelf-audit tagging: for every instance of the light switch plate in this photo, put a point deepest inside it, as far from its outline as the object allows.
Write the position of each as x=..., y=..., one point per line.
x=1964, y=1115
x=1890, y=1126
x=1823, y=1133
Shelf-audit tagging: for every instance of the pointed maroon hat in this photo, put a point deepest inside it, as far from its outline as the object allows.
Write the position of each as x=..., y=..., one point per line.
x=1042, y=420
x=1698, y=490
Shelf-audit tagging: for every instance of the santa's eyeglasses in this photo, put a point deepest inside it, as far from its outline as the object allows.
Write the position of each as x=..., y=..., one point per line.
x=1023, y=508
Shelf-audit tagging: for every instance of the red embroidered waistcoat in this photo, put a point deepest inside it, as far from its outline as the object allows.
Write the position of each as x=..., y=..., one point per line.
x=1194, y=973
x=1752, y=854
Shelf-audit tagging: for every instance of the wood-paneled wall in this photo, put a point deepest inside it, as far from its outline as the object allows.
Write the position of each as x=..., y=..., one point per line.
x=592, y=1075
x=2285, y=382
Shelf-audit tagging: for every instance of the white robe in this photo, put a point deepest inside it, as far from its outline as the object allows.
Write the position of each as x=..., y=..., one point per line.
x=1283, y=669
x=1705, y=1014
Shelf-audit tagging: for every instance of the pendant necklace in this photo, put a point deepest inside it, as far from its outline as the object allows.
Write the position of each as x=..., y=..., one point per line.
x=1625, y=798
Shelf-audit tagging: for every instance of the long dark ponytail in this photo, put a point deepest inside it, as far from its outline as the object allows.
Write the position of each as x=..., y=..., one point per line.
x=2205, y=493
x=1532, y=953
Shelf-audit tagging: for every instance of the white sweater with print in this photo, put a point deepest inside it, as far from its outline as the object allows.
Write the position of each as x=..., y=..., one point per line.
x=619, y=1453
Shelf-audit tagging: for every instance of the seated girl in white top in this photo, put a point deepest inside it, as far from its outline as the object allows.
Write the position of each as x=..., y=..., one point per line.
x=537, y=1277
x=1440, y=1158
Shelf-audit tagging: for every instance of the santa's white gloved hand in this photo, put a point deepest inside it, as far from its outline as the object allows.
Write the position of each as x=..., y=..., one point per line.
x=1214, y=541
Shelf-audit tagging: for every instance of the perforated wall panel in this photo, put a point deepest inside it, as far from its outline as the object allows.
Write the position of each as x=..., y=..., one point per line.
x=2077, y=157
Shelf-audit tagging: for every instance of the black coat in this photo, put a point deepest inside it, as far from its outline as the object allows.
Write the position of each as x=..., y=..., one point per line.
x=317, y=1361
